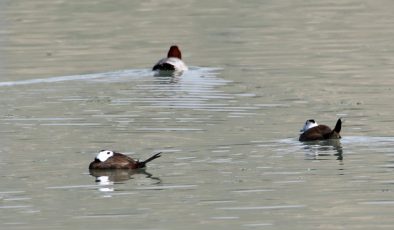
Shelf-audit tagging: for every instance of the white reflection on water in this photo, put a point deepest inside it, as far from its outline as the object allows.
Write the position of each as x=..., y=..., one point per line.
x=383, y=202
x=193, y=75
x=251, y=208
x=366, y=140
x=314, y=150
x=167, y=187
x=114, y=74
x=197, y=89
x=16, y=200
x=109, y=177
x=193, y=90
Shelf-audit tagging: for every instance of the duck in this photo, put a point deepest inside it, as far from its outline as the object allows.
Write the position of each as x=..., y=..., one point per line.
x=314, y=132
x=173, y=61
x=107, y=159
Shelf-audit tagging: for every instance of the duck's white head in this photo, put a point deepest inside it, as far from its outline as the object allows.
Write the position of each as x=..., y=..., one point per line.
x=309, y=124
x=103, y=155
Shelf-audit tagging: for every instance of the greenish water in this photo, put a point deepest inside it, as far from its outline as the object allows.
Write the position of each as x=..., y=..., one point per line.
x=75, y=79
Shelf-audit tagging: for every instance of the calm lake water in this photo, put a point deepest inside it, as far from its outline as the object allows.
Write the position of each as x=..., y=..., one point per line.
x=75, y=78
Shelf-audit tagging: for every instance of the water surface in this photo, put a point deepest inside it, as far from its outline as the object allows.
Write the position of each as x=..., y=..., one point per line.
x=75, y=79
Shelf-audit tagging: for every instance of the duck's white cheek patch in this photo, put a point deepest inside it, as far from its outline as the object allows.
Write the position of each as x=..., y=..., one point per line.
x=104, y=155
x=304, y=128
x=102, y=158
x=308, y=125
x=312, y=125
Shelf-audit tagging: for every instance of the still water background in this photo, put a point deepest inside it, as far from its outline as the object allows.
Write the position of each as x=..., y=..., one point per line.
x=75, y=79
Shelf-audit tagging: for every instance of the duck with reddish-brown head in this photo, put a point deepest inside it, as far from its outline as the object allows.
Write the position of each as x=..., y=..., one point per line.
x=173, y=61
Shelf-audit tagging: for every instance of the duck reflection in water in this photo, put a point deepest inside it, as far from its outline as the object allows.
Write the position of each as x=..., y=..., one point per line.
x=165, y=78
x=331, y=147
x=111, y=176
x=168, y=75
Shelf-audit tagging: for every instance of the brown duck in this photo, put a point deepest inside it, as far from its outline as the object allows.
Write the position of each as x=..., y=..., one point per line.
x=107, y=159
x=314, y=132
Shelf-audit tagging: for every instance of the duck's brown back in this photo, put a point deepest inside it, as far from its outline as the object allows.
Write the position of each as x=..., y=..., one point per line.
x=117, y=161
x=320, y=132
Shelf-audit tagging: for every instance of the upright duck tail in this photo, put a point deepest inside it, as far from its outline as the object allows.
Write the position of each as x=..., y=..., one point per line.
x=142, y=164
x=335, y=132
x=338, y=126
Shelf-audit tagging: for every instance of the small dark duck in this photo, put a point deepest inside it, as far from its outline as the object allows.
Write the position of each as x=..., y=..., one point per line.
x=107, y=159
x=314, y=132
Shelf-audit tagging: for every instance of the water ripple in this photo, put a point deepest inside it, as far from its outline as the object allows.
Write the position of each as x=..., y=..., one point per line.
x=262, y=207
x=384, y=202
x=121, y=73
x=167, y=187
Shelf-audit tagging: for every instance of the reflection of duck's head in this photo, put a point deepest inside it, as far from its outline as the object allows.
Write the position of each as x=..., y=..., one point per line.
x=104, y=180
x=107, y=159
x=327, y=147
x=313, y=132
x=173, y=61
x=113, y=175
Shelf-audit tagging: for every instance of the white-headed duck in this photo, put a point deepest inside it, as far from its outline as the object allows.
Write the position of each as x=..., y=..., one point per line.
x=107, y=159
x=314, y=132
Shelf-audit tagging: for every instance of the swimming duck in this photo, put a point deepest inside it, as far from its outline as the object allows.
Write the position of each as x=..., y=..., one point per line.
x=173, y=61
x=313, y=132
x=107, y=159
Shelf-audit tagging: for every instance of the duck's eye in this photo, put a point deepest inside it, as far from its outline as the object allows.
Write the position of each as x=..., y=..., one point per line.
x=108, y=153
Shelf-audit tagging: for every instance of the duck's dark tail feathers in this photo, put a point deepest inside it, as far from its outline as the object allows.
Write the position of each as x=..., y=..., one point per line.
x=142, y=164
x=338, y=126
x=163, y=67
